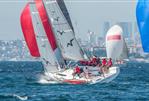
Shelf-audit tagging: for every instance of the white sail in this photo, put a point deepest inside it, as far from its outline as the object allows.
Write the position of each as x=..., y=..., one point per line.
x=124, y=54
x=115, y=45
x=64, y=34
x=46, y=52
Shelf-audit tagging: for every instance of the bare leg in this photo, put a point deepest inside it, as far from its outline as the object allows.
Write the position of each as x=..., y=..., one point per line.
x=103, y=71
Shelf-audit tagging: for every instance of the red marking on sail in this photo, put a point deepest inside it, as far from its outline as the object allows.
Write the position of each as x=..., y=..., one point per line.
x=46, y=23
x=28, y=31
x=114, y=37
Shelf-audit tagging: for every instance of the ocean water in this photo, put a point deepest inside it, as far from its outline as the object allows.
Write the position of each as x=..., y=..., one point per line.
x=19, y=82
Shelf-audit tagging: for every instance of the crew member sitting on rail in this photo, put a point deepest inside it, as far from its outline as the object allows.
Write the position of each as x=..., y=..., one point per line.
x=94, y=60
x=104, y=62
x=98, y=62
x=109, y=63
x=77, y=71
x=103, y=66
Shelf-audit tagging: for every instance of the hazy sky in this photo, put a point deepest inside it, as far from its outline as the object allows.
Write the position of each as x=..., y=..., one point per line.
x=85, y=14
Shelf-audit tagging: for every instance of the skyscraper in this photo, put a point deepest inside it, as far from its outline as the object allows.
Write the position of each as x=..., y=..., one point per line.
x=106, y=26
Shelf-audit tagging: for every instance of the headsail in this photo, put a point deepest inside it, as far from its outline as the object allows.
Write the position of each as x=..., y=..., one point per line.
x=45, y=49
x=115, y=45
x=49, y=31
x=64, y=34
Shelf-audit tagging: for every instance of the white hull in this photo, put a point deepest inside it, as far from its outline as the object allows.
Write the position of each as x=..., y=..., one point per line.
x=66, y=77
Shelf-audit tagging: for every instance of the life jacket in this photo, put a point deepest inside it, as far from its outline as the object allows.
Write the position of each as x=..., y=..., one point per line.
x=110, y=63
x=104, y=62
x=94, y=61
x=77, y=69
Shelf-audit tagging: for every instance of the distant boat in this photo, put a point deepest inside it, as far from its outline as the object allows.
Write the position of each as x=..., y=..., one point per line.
x=13, y=59
x=115, y=44
x=65, y=41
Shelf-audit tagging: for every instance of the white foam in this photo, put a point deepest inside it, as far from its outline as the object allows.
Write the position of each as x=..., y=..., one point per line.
x=45, y=80
x=23, y=98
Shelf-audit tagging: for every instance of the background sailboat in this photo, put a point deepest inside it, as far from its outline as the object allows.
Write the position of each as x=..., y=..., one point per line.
x=115, y=44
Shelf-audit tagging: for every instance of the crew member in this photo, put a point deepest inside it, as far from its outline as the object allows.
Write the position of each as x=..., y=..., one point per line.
x=93, y=62
x=77, y=71
x=99, y=62
x=104, y=62
x=103, y=67
x=109, y=63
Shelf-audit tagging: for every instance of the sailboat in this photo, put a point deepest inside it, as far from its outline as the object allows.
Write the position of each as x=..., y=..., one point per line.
x=115, y=44
x=63, y=40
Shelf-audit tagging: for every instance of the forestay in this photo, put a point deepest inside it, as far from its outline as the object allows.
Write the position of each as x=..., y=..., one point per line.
x=46, y=52
x=64, y=34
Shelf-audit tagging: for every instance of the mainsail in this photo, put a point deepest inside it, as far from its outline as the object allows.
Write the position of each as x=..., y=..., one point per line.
x=64, y=34
x=65, y=12
x=115, y=45
x=45, y=49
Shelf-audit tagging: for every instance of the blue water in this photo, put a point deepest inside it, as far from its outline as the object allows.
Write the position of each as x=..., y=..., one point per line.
x=18, y=81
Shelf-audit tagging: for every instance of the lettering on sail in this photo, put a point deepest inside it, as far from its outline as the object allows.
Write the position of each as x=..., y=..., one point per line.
x=61, y=32
x=70, y=43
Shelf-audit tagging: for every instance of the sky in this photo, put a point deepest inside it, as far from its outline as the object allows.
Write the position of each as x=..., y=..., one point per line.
x=85, y=15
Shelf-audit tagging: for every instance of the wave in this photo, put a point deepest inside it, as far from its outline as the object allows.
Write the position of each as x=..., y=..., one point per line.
x=43, y=79
x=10, y=96
x=23, y=98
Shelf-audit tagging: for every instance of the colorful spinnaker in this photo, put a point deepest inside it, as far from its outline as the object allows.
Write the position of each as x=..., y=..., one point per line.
x=28, y=31
x=142, y=15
